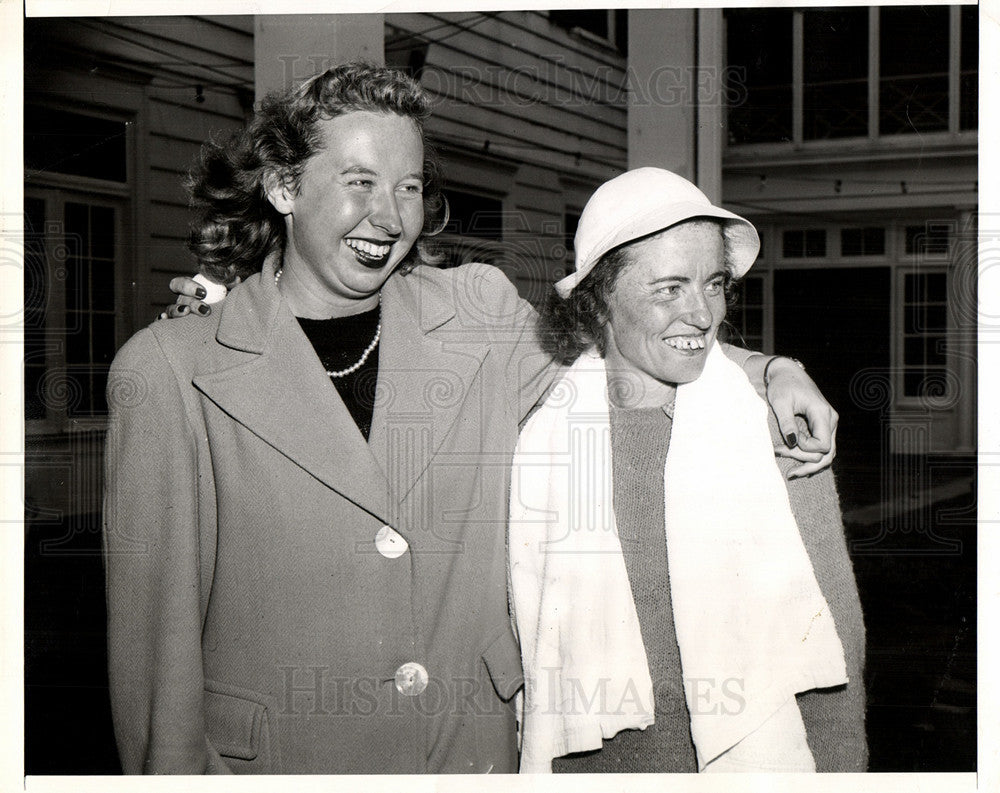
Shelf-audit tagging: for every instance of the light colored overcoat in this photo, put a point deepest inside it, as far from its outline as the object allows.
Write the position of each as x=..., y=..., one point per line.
x=254, y=626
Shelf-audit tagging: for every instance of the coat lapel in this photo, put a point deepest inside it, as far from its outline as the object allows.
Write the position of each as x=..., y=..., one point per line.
x=283, y=396
x=427, y=364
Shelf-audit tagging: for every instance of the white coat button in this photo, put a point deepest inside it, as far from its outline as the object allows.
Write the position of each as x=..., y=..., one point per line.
x=390, y=543
x=411, y=679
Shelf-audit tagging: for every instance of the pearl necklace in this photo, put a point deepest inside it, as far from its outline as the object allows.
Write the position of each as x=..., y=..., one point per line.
x=368, y=350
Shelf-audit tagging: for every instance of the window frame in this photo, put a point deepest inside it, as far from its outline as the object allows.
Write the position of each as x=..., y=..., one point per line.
x=452, y=242
x=616, y=40
x=55, y=190
x=900, y=367
x=953, y=133
x=763, y=273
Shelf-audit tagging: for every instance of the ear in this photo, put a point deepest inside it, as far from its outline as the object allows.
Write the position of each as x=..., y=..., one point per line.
x=279, y=193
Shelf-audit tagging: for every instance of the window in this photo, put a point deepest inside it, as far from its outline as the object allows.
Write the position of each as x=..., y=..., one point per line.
x=835, y=73
x=925, y=327
x=759, y=49
x=76, y=194
x=932, y=240
x=475, y=226
x=969, y=76
x=70, y=304
x=471, y=215
x=606, y=25
x=405, y=51
x=913, y=69
x=36, y=297
x=571, y=222
x=868, y=241
x=90, y=303
x=746, y=316
x=810, y=74
x=803, y=243
x=70, y=143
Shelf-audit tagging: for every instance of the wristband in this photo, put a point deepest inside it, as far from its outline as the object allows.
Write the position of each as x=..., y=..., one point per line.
x=767, y=366
x=215, y=293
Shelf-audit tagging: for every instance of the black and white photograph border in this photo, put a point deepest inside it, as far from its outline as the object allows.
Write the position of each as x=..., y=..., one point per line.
x=947, y=476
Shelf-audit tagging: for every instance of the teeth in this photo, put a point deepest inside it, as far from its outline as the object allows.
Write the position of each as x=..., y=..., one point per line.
x=687, y=342
x=369, y=248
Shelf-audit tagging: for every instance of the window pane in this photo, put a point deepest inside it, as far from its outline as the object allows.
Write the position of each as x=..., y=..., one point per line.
x=913, y=351
x=835, y=88
x=925, y=321
x=71, y=143
x=792, y=244
x=103, y=286
x=816, y=242
x=913, y=65
x=102, y=235
x=571, y=222
x=754, y=291
x=35, y=305
x=78, y=342
x=79, y=391
x=931, y=239
x=472, y=215
x=936, y=351
x=937, y=318
x=594, y=21
x=759, y=75
x=103, y=338
x=874, y=241
x=862, y=242
x=90, y=303
x=968, y=117
x=77, y=278
x=937, y=286
x=851, y=243
x=77, y=219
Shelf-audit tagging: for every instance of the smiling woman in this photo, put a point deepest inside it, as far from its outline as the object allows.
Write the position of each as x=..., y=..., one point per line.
x=709, y=602
x=665, y=309
x=355, y=215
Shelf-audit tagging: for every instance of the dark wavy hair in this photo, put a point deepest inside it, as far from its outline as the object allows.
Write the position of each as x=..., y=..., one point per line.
x=572, y=325
x=237, y=227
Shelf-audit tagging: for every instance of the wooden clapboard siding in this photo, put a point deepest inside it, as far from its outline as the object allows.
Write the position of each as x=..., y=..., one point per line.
x=497, y=72
x=514, y=94
x=180, y=80
x=525, y=67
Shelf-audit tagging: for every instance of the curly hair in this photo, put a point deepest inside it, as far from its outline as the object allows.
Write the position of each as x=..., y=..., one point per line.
x=570, y=326
x=236, y=226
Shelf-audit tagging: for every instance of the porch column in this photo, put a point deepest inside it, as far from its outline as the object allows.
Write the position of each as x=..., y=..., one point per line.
x=676, y=115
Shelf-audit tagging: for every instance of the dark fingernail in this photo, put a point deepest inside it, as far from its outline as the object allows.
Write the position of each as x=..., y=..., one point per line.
x=182, y=310
x=790, y=439
x=200, y=292
x=204, y=310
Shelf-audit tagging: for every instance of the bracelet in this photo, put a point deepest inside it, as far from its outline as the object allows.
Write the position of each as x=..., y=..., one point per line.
x=774, y=358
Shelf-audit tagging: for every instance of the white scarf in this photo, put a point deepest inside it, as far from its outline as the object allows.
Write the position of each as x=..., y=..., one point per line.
x=747, y=609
